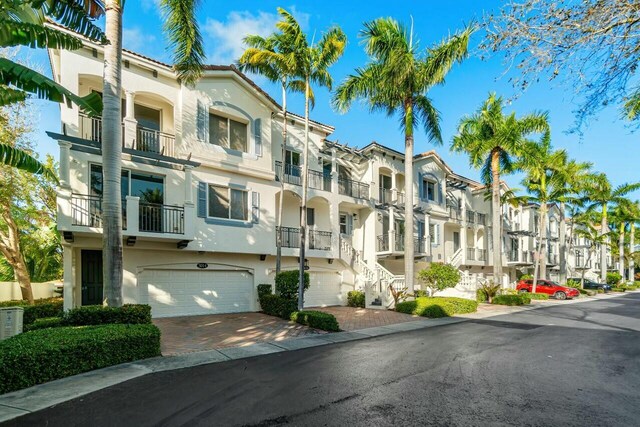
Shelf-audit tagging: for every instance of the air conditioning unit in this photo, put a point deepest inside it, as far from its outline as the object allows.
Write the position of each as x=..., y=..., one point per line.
x=10, y=322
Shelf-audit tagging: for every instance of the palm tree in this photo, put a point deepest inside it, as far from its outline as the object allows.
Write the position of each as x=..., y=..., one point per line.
x=492, y=140
x=621, y=216
x=313, y=62
x=396, y=81
x=583, y=227
x=569, y=184
x=24, y=25
x=274, y=59
x=634, y=213
x=600, y=194
x=181, y=28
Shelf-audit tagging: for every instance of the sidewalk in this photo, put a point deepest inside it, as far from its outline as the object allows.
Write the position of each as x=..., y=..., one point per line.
x=21, y=402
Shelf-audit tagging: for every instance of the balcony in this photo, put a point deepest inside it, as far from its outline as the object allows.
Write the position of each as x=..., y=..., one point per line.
x=317, y=240
x=552, y=259
x=481, y=255
x=145, y=140
x=319, y=181
x=353, y=189
x=81, y=212
x=292, y=173
x=481, y=219
x=471, y=217
x=385, y=195
x=582, y=263
x=471, y=254
x=384, y=244
x=455, y=214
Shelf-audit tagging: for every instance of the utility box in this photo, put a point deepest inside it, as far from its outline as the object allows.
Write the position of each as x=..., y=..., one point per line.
x=10, y=321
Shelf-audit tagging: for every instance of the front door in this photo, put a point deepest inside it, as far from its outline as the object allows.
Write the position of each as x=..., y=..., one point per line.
x=91, y=277
x=456, y=241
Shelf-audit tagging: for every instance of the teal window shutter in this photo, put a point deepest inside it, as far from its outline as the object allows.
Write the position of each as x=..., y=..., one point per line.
x=257, y=130
x=202, y=199
x=255, y=207
x=421, y=186
x=200, y=119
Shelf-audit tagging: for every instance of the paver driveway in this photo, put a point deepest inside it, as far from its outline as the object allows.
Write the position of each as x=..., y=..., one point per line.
x=352, y=319
x=198, y=333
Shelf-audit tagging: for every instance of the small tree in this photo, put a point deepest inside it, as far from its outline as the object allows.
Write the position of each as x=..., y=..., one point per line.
x=613, y=278
x=439, y=277
x=287, y=284
x=490, y=289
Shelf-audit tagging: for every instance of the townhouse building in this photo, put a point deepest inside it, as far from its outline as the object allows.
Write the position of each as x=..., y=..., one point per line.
x=205, y=180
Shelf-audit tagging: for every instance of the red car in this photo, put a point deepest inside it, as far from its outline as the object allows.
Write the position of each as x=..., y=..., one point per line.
x=548, y=287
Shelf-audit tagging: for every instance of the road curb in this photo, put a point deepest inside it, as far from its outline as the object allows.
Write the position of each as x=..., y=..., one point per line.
x=42, y=396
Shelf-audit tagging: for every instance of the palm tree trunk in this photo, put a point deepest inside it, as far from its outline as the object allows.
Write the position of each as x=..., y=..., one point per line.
x=280, y=208
x=303, y=210
x=632, y=244
x=408, y=201
x=496, y=212
x=563, y=244
x=111, y=155
x=540, y=264
x=621, y=250
x=543, y=241
x=603, y=245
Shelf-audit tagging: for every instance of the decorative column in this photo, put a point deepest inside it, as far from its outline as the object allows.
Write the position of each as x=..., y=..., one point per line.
x=65, y=154
x=392, y=229
x=130, y=122
x=394, y=189
x=188, y=184
x=334, y=172
x=68, y=290
x=463, y=228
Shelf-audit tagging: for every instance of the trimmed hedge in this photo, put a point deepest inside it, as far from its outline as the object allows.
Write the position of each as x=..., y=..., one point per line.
x=618, y=289
x=434, y=307
x=132, y=314
x=520, y=299
x=355, y=299
x=275, y=305
x=264, y=289
x=44, y=323
x=287, y=283
x=40, y=356
x=316, y=319
x=419, y=293
x=24, y=303
x=538, y=296
x=45, y=307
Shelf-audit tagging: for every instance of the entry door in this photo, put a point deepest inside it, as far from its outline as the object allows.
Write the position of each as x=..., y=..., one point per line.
x=456, y=241
x=91, y=277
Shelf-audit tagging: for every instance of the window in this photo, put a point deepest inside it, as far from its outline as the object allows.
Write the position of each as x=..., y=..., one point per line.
x=228, y=203
x=429, y=190
x=227, y=133
x=311, y=216
x=292, y=158
x=432, y=234
x=346, y=223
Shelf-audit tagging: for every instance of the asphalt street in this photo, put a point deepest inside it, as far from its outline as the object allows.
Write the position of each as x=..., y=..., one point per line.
x=566, y=365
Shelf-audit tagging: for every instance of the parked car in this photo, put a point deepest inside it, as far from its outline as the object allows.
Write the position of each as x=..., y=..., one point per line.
x=548, y=287
x=590, y=284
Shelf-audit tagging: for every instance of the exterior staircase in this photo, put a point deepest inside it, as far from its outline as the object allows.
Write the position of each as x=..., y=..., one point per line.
x=387, y=279
x=353, y=259
x=456, y=259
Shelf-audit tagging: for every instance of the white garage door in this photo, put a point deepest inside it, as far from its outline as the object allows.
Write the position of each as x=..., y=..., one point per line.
x=324, y=290
x=185, y=293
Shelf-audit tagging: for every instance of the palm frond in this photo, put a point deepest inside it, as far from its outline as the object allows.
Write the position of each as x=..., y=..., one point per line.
x=429, y=117
x=442, y=57
x=77, y=15
x=13, y=33
x=23, y=78
x=22, y=160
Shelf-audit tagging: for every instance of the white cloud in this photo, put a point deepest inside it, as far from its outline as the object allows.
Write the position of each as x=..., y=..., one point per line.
x=226, y=36
x=136, y=39
x=149, y=5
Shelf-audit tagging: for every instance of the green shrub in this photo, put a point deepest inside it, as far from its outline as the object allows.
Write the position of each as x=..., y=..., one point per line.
x=316, y=319
x=419, y=293
x=481, y=296
x=264, y=289
x=600, y=291
x=42, y=310
x=131, y=314
x=508, y=291
x=24, y=303
x=275, y=305
x=44, y=355
x=355, y=299
x=618, y=289
x=520, y=299
x=287, y=284
x=538, y=296
x=44, y=323
x=437, y=306
x=573, y=284
x=613, y=278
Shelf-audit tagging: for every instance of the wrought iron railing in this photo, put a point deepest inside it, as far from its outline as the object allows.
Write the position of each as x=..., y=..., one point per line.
x=320, y=240
x=291, y=174
x=481, y=218
x=400, y=199
x=383, y=242
x=385, y=195
x=351, y=188
x=471, y=254
x=319, y=180
x=471, y=217
x=481, y=255
x=157, y=218
x=289, y=237
x=512, y=256
x=455, y=214
x=419, y=246
x=86, y=210
x=90, y=128
x=154, y=141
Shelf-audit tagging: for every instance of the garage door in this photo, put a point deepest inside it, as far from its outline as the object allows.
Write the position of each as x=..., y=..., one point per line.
x=324, y=290
x=185, y=293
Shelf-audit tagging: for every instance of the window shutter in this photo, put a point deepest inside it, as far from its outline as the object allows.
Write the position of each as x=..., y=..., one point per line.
x=257, y=125
x=200, y=119
x=349, y=224
x=437, y=234
x=420, y=186
x=255, y=207
x=202, y=199
x=440, y=193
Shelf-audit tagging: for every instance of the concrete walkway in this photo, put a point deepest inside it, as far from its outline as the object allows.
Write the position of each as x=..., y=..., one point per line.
x=21, y=402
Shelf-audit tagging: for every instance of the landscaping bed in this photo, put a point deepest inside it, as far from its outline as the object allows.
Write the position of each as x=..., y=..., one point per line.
x=434, y=307
x=519, y=299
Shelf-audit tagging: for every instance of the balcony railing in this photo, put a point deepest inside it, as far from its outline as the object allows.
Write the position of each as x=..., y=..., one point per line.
x=383, y=243
x=582, y=263
x=400, y=199
x=419, y=246
x=481, y=218
x=154, y=141
x=157, y=218
x=90, y=128
x=552, y=259
x=86, y=210
x=481, y=255
x=471, y=217
x=319, y=181
x=385, y=195
x=455, y=214
x=471, y=254
x=320, y=240
x=353, y=188
x=292, y=173
x=512, y=256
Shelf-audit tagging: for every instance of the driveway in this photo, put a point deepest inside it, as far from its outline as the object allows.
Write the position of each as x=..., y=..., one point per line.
x=352, y=319
x=199, y=333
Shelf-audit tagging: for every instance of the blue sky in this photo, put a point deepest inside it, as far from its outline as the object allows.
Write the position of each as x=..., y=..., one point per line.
x=608, y=142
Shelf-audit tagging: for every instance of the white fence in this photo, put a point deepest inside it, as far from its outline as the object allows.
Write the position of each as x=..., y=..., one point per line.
x=11, y=290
